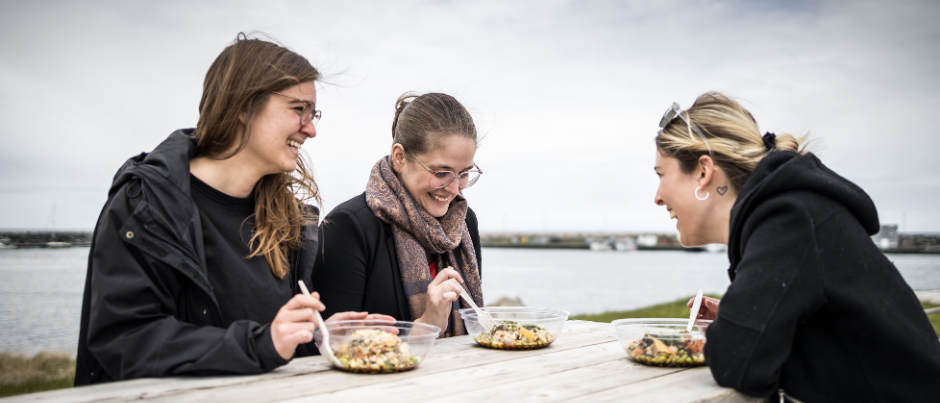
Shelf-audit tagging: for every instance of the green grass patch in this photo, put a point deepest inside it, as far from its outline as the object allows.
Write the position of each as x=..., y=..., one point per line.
x=41, y=372
x=36, y=386
x=934, y=318
x=674, y=309
x=678, y=309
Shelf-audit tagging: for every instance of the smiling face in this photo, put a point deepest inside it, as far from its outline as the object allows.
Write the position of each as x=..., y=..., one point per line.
x=677, y=193
x=275, y=135
x=453, y=153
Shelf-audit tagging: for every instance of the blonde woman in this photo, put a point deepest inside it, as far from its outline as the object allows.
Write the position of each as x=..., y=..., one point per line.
x=196, y=256
x=815, y=312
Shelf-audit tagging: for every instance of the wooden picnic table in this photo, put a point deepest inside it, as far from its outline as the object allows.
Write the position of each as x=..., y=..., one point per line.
x=584, y=364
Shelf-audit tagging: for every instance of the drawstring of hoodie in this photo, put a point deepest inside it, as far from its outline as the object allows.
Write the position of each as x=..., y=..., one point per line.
x=784, y=397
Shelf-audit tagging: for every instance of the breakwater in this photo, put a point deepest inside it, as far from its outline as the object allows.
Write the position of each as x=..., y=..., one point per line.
x=901, y=243
x=44, y=239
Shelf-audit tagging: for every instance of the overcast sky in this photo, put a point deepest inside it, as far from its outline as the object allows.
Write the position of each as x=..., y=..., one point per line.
x=567, y=93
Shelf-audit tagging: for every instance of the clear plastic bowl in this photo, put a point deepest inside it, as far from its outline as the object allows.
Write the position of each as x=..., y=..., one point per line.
x=370, y=346
x=663, y=342
x=518, y=328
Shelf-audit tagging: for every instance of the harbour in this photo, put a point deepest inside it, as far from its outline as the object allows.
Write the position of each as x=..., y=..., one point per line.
x=42, y=287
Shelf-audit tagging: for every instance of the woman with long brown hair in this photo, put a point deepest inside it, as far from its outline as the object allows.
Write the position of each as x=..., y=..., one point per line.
x=815, y=312
x=197, y=253
x=409, y=245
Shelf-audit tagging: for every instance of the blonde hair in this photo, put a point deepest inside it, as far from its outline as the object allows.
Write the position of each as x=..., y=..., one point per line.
x=241, y=80
x=731, y=133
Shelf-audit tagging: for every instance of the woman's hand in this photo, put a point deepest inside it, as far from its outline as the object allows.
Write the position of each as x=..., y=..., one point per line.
x=442, y=292
x=709, y=308
x=294, y=323
x=351, y=315
x=359, y=316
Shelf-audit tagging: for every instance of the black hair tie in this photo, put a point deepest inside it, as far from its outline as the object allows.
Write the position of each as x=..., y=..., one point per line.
x=770, y=141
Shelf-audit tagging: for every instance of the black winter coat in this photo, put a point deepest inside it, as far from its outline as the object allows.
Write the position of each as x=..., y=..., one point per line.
x=357, y=268
x=149, y=309
x=815, y=309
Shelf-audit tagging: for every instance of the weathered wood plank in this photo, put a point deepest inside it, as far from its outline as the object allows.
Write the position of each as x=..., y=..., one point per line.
x=325, y=383
x=461, y=383
x=585, y=364
x=571, y=384
x=691, y=385
x=152, y=388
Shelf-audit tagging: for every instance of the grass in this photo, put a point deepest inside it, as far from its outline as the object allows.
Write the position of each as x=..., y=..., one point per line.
x=41, y=372
x=934, y=318
x=678, y=309
x=674, y=309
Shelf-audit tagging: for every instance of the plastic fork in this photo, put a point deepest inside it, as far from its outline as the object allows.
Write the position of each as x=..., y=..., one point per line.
x=696, y=304
x=325, y=348
x=483, y=317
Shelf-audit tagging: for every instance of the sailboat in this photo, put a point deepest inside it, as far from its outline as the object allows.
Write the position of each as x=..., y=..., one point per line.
x=52, y=242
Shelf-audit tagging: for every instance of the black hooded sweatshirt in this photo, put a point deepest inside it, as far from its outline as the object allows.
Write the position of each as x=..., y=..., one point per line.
x=149, y=308
x=815, y=310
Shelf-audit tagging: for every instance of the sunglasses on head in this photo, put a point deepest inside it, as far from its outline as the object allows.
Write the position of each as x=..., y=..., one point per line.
x=675, y=112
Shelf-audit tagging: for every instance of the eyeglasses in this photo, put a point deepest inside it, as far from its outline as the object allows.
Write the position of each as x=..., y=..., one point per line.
x=673, y=112
x=308, y=114
x=441, y=179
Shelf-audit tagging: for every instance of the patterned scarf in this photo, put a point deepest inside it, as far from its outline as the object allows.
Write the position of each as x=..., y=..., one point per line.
x=415, y=230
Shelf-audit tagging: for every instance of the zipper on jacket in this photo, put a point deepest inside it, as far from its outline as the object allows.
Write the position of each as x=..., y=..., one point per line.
x=294, y=262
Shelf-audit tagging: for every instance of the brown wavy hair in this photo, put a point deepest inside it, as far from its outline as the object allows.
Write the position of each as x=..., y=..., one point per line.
x=732, y=133
x=240, y=81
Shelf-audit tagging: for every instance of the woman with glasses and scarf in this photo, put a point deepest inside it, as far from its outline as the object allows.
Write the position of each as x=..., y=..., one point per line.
x=815, y=311
x=409, y=245
x=196, y=256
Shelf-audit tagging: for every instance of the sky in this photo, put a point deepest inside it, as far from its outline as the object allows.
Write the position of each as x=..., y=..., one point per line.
x=567, y=94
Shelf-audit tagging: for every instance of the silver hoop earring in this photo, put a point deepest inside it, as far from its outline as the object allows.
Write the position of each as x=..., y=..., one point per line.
x=701, y=198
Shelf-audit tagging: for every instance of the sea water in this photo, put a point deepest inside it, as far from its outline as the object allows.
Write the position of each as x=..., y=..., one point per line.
x=41, y=289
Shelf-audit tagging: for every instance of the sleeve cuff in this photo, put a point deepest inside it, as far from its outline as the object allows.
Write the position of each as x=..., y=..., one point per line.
x=268, y=356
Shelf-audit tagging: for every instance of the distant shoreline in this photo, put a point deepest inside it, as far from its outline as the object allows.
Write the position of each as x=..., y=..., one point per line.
x=43, y=239
x=676, y=248
x=924, y=243
x=899, y=244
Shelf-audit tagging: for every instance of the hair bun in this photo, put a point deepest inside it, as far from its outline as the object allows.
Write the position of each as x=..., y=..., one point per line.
x=770, y=141
x=403, y=101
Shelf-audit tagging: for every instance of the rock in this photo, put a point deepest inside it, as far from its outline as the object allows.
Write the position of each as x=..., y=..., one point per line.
x=506, y=301
x=929, y=296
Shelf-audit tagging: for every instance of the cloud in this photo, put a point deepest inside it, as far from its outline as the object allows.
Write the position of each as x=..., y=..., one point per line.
x=567, y=93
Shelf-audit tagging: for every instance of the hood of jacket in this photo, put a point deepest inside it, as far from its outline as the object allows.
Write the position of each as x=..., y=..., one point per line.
x=170, y=160
x=165, y=218
x=786, y=171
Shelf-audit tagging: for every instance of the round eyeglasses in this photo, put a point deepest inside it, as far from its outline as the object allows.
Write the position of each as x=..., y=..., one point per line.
x=308, y=114
x=440, y=179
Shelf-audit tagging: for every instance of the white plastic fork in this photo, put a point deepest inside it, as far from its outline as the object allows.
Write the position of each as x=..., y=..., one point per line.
x=483, y=317
x=325, y=348
x=693, y=314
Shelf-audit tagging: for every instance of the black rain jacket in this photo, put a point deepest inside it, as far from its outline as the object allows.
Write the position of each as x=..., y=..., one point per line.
x=149, y=309
x=815, y=309
x=357, y=268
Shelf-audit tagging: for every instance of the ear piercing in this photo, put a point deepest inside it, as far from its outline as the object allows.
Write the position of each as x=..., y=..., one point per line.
x=701, y=198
